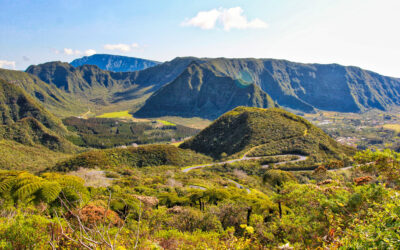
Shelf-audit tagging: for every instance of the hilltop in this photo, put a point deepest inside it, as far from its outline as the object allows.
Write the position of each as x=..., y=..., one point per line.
x=262, y=132
x=115, y=63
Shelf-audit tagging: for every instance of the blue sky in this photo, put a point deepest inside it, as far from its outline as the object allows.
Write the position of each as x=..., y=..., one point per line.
x=364, y=33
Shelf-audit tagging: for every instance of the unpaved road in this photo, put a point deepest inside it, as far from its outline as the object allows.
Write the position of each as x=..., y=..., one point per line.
x=245, y=158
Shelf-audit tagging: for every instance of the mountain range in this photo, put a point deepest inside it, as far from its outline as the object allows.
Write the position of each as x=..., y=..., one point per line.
x=115, y=63
x=206, y=87
x=304, y=87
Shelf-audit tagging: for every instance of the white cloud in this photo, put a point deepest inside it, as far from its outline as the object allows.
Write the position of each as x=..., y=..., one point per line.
x=7, y=64
x=68, y=51
x=205, y=20
x=121, y=47
x=90, y=52
x=231, y=18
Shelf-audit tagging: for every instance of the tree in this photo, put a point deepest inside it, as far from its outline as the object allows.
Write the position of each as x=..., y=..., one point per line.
x=276, y=178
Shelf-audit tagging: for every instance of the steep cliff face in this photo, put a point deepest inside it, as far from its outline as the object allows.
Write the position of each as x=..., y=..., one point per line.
x=115, y=63
x=198, y=91
x=304, y=87
x=52, y=98
x=221, y=84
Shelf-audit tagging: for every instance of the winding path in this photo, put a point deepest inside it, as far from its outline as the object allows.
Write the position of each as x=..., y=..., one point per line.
x=245, y=158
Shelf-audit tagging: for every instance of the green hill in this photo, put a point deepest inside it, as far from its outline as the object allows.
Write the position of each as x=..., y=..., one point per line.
x=261, y=132
x=143, y=156
x=24, y=120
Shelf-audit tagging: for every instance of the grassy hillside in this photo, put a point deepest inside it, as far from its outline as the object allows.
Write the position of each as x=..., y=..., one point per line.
x=17, y=156
x=261, y=132
x=143, y=156
x=24, y=120
x=53, y=99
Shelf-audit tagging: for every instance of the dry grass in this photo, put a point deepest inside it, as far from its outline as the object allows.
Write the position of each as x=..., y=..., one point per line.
x=194, y=122
x=394, y=127
x=92, y=177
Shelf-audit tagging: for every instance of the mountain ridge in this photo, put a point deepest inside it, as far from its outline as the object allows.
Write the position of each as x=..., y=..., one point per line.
x=115, y=63
x=303, y=87
x=297, y=86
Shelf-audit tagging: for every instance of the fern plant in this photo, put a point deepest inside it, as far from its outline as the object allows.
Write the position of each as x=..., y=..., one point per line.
x=24, y=187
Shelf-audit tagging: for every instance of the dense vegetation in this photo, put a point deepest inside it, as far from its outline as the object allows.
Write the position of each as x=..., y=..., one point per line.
x=163, y=207
x=149, y=197
x=263, y=132
x=107, y=133
x=149, y=155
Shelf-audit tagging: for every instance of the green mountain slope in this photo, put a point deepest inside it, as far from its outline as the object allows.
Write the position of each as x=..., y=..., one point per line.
x=53, y=99
x=261, y=132
x=98, y=88
x=298, y=86
x=24, y=120
x=198, y=91
x=304, y=87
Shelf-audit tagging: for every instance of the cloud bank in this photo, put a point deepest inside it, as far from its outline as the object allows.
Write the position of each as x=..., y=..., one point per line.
x=231, y=18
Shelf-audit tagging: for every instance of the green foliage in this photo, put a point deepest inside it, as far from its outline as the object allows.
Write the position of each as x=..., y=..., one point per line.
x=203, y=208
x=385, y=164
x=149, y=155
x=108, y=133
x=25, y=232
x=21, y=187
